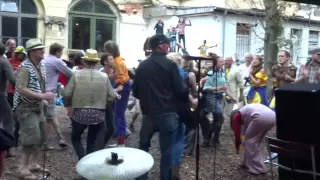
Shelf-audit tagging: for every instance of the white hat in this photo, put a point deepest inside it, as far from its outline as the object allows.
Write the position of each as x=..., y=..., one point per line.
x=32, y=44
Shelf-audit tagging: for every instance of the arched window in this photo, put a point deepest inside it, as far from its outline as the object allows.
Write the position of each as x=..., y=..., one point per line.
x=91, y=22
x=18, y=19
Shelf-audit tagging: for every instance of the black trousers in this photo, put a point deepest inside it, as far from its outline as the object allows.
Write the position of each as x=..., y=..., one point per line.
x=77, y=131
x=212, y=128
x=16, y=123
x=108, y=129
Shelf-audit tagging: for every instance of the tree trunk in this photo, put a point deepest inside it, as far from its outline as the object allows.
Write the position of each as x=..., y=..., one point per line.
x=273, y=30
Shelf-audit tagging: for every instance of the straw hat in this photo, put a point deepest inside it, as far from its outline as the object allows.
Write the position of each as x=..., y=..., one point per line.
x=91, y=55
x=33, y=44
x=20, y=49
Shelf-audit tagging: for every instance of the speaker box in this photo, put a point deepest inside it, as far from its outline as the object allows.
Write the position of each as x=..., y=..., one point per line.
x=298, y=120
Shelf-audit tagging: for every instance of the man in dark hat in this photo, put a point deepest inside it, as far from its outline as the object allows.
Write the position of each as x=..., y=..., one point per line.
x=156, y=83
x=311, y=72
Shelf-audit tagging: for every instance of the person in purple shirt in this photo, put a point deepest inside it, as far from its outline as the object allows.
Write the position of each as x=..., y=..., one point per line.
x=53, y=66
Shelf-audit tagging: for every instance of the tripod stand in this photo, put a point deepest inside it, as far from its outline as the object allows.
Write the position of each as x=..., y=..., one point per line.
x=198, y=61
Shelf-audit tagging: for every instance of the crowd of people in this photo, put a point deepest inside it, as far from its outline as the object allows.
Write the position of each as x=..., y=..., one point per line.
x=97, y=99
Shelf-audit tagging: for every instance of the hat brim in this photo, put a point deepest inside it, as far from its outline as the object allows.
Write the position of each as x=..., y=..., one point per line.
x=37, y=47
x=25, y=53
x=91, y=59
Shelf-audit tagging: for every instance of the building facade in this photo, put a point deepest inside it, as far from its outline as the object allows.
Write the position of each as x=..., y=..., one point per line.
x=82, y=24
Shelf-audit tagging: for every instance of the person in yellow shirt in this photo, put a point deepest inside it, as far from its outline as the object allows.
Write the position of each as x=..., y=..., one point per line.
x=204, y=47
x=258, y=82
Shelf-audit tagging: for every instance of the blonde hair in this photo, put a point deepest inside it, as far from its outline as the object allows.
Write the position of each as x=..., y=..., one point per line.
x=177, y=58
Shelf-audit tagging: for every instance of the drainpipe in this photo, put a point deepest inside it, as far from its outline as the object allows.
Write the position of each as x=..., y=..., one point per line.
x=223, y=31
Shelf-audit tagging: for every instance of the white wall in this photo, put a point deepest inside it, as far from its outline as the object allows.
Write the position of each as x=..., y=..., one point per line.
x=305, y=27
x=133, y=33
x=210, y=28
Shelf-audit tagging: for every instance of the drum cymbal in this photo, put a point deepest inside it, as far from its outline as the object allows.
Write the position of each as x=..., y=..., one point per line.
x=115, y=164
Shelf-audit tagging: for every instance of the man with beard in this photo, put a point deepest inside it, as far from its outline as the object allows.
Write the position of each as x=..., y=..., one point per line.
x=284, y=72
x=156, y=85
x=311, y=72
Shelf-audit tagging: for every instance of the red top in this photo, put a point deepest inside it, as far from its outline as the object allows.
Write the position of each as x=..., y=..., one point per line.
x=15, y=63
x=236, y=126
x=63, y=79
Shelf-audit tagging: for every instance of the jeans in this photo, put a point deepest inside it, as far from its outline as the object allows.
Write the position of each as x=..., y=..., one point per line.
x=178, y=145
x=167, y=125
x=183, y=38
x=77, y=131
x=120, y=108
x=173, y=46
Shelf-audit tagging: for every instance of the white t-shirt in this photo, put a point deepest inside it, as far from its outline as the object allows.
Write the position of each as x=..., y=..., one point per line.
x=244, y=69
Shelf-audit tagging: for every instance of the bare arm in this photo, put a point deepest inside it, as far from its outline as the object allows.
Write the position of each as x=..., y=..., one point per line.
x=111, y=94
x=193, y=83
x=189, y=23
x=22, y=78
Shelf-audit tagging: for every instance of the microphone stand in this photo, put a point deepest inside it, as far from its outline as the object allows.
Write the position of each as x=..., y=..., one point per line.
x=198, y=61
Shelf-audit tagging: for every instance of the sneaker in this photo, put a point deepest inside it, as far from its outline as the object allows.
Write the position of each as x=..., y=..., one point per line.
x=112, y=143
x=205, y=143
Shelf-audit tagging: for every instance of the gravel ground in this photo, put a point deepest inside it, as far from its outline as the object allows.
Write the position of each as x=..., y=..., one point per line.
x=62, y=163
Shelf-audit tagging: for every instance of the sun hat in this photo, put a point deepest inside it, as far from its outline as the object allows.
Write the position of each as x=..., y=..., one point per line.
x=91, y=55
x=33, y=44
x=20, y=49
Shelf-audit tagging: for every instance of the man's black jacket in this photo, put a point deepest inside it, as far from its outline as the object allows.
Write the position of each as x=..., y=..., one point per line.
x=156, y=84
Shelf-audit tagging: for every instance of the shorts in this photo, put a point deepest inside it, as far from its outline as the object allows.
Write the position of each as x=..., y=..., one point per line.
x=31, y=127
x=50, y=109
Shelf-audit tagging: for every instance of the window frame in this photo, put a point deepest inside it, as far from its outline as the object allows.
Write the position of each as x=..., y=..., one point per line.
x=19, y=15
x=93, y=18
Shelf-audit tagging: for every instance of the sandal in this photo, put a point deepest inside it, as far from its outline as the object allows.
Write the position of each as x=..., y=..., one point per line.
x=28, y=177
x=39, y=169
x=62, y=143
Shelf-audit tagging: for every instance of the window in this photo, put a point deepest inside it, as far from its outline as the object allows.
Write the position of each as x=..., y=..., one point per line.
x=295, y=47
x=313, y=40
x=243, y=39
x=92, y=23
x=18, y=19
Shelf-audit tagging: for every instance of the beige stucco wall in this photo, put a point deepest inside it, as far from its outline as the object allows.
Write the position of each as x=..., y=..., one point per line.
x=60, y=8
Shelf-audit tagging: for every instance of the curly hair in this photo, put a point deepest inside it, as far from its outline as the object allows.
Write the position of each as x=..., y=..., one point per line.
x=112, y=48
x=103, y=57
